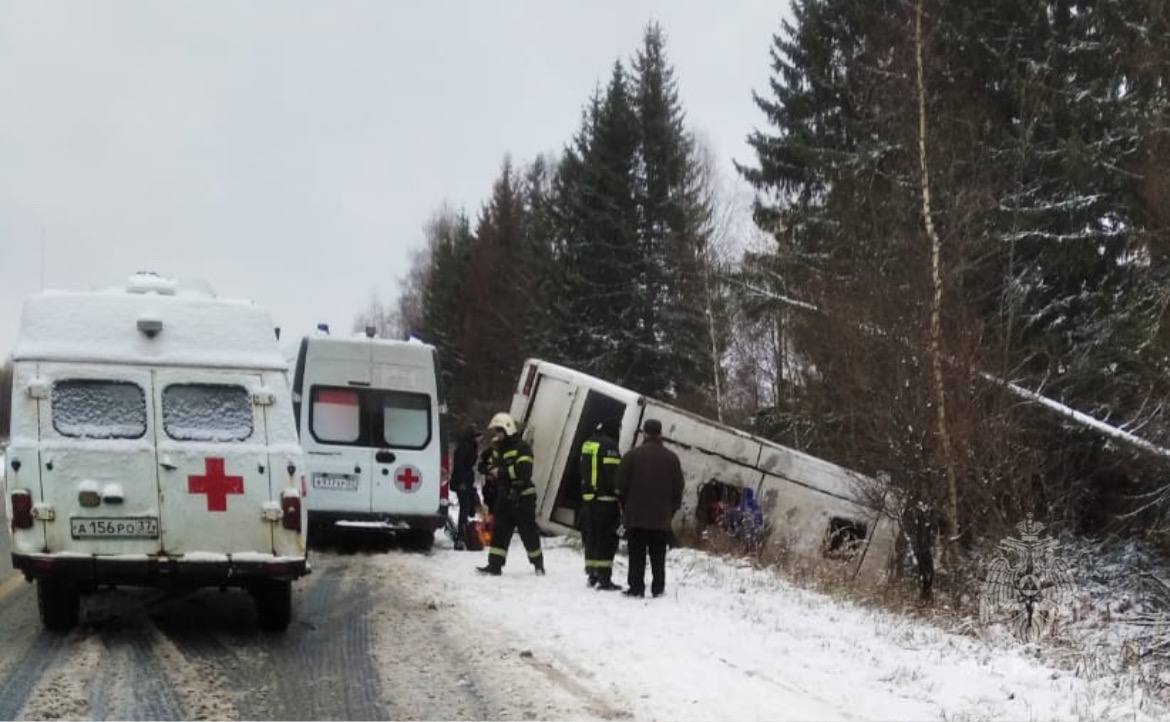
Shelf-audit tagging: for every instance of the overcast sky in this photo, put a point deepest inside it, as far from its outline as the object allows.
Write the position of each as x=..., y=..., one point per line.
x=290, y=152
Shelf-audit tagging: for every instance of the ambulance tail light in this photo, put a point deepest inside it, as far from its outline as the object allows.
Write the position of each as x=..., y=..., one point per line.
x=290, y=507
x=445, y=477
x=22, y=516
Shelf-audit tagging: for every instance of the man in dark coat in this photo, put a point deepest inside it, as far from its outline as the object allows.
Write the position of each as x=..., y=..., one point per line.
x=463, y=481
x=650, y=486
x=600, y=514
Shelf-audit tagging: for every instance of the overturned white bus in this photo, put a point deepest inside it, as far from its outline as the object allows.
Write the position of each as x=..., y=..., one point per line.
x=814, y=509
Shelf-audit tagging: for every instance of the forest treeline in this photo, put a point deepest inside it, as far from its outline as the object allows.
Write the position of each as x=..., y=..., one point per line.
x=955, y=197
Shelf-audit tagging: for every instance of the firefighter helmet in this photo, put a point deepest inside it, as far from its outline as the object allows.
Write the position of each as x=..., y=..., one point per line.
x=504, y=422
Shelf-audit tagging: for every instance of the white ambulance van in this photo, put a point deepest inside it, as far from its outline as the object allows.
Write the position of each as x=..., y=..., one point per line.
x=153, y=444
x=369, y=412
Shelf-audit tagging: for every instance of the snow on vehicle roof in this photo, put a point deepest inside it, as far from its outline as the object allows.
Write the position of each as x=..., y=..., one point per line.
x=153, y=321
x=378, y=350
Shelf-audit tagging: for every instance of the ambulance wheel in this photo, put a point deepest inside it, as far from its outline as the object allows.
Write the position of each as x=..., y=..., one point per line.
x=421, y=540
x=59, y=603
x=273, y=600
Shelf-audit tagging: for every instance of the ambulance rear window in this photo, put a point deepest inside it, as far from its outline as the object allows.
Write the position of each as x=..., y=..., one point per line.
x=406, y=419
x=98, y=409
x=207, y=412
x=335, y=415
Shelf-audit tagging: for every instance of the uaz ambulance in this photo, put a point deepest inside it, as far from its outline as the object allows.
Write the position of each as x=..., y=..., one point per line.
x=369, y=412
x=152, y=443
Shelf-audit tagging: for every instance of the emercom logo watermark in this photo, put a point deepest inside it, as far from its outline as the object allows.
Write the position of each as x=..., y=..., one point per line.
x=1026, y=584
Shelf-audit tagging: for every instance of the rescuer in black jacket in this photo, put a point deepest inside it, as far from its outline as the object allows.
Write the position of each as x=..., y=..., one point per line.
x=510, y=462
x=600, y=514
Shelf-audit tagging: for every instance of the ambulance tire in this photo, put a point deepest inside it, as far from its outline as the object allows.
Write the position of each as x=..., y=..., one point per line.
x=419, y=540
x=59, y=603
x=273, y=599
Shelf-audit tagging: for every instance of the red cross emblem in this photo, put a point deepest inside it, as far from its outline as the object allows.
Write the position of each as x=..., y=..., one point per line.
x=407, y=478
x=216, y=484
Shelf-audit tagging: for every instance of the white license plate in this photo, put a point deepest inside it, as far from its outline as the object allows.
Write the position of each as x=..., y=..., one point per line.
x=134, y=527
x=335, y=482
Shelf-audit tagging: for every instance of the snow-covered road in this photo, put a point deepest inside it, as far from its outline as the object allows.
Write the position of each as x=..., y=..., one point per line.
x=731, y=642
x=382, y=633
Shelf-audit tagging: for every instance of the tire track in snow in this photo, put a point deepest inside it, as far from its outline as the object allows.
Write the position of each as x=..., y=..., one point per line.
x=37, y=658
x=196, y=664
x=131, y=683
x=27, y=652
x=426, y=674
x=323, y=666
x=493, y=678
x=795, y=689
x=594, y=703
x=64, y=691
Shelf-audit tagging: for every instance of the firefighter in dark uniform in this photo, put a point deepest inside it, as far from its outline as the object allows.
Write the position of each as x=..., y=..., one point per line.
x=510, y=462
x=600, y=513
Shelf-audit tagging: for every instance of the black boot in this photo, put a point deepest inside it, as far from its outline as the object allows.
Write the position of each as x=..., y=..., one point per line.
x=592, y=580
x=606, y=585
x=489, y=569
x=538, y=567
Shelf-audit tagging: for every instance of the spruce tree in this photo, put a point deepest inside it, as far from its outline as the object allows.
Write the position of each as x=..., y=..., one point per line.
x=451, y=242
x=597, y=244
x=672, y=230
x=540, y=290
x=490, y=325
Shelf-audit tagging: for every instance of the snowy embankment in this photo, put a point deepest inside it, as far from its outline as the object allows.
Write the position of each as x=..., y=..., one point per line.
x=728, y=641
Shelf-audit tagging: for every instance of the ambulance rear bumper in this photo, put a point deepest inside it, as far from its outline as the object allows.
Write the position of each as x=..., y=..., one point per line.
x=194, y=570
x=379, y=520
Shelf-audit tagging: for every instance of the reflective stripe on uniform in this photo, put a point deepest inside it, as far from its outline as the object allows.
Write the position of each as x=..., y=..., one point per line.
x=498, y=551
x=535, y=554
x=530, y=490
x=591, y=448
x=587, y=497
x=611, y=460
x=517, y=460
x=606, y=498
x=598, y=563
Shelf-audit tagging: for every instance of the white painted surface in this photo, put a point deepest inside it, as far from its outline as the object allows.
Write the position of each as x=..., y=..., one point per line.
x=408, y=485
